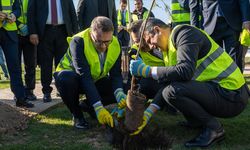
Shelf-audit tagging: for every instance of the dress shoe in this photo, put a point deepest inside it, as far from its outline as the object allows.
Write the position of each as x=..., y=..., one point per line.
x=80, y=123
x=30, y=95
x=23, y=103
x=47, y=98
x=189, y=125
x=86, y=108
x=206, y=138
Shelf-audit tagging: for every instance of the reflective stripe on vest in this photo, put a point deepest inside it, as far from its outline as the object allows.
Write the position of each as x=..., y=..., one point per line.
x=119, y=18
x=149, y=59
x=179, y=14
x=24, y=8
x=92, y=57
x=144, y=16
x=7, y=8
x=217, y=66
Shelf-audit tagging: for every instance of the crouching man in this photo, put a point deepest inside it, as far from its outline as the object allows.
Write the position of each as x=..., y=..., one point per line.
x=91, y=66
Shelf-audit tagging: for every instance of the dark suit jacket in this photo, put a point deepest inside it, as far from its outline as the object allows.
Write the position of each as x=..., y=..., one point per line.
x=16, y=10
x=38, y=13
x=234, y=11
x=87, y=10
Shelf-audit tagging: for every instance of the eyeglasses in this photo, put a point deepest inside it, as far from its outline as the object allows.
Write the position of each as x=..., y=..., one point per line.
x=100, y=43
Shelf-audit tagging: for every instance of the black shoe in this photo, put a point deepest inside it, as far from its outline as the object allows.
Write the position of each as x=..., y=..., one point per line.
x=23, y=103
x=30, y=95
x=206, y=138
x=47, y=98
x=189, y=125
x=86, y=108
x=80, y=123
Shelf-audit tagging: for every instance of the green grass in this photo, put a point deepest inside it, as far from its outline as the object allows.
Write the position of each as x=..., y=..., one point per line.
x=53, y=130
x=6, y=83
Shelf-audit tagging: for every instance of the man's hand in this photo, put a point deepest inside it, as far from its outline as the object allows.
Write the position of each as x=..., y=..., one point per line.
x=246, y=25
x=118, y=113
x=34, y=39
x=120, y=98
x=103, y=116
x=2, y=16
x=138, y=68
x=11, y=18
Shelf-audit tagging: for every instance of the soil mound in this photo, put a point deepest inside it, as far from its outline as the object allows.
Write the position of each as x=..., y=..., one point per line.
x=13, y=119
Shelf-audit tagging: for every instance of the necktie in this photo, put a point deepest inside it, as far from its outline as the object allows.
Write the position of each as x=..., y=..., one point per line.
x=53, y=12
x=123, y=18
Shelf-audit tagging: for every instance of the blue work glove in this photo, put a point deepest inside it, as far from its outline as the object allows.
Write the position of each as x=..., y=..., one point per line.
x=146, y=117
x=120, y=97
x=118, y=113
x=138, y=68
x=23, y=29
x=103, y=116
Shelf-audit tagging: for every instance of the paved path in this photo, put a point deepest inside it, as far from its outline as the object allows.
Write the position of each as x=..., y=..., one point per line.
x=6, y=96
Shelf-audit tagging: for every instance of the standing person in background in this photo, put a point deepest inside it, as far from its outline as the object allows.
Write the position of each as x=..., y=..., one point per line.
x=180, y=12
x=28, y=50
x=87, y=10
x=123, y=21
x=224, y=20
x=196, y=17
x=140, y=12
x=9, y=11
x=50, y=22
x=2, y=64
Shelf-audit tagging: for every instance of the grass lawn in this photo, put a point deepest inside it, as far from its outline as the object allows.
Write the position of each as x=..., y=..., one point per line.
x=53, y=130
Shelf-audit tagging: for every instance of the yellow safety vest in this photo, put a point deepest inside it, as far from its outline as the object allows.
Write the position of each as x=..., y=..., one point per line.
x=7, y=8
x=216, y=66
x=24, y=8
x=149, y=59
x=92, y=57
x=119, y=18
x=144, y=16
x=179, y=14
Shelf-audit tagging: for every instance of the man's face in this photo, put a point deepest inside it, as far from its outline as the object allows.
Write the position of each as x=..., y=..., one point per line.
x=101, y=40
x=152, y=40
x=123, y=6
x=138, y=5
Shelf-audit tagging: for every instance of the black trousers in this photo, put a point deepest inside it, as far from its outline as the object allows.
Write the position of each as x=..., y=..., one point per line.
x=52, y=47
x=68, y=85
x=228, y=38
x=30, y=60
x=201, y=102
x=10, y=49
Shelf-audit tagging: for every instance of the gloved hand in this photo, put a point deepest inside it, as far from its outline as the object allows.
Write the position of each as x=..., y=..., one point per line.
x=103, y=116
x=146, y=117
x=23, y=29
x=120, y=98
x=118, y=113
x=138, y=68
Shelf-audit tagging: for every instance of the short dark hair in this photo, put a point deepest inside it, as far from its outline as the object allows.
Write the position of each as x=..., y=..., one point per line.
x=102, y=23
x=154, y=22
x=135, y=26
x=123, y=1
x=139, y=0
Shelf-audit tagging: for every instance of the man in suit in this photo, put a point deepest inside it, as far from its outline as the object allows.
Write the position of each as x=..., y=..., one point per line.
x=28, y=50
x=123, y=21
x=91, y=66
x=223, y=20
x=50, y=22
x=9, y=44
x=87, y=10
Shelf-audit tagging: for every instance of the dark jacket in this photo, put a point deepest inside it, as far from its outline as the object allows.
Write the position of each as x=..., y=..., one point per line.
x=234, y=11
x=87, y=10
x=38, y=13
x=16, y=10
